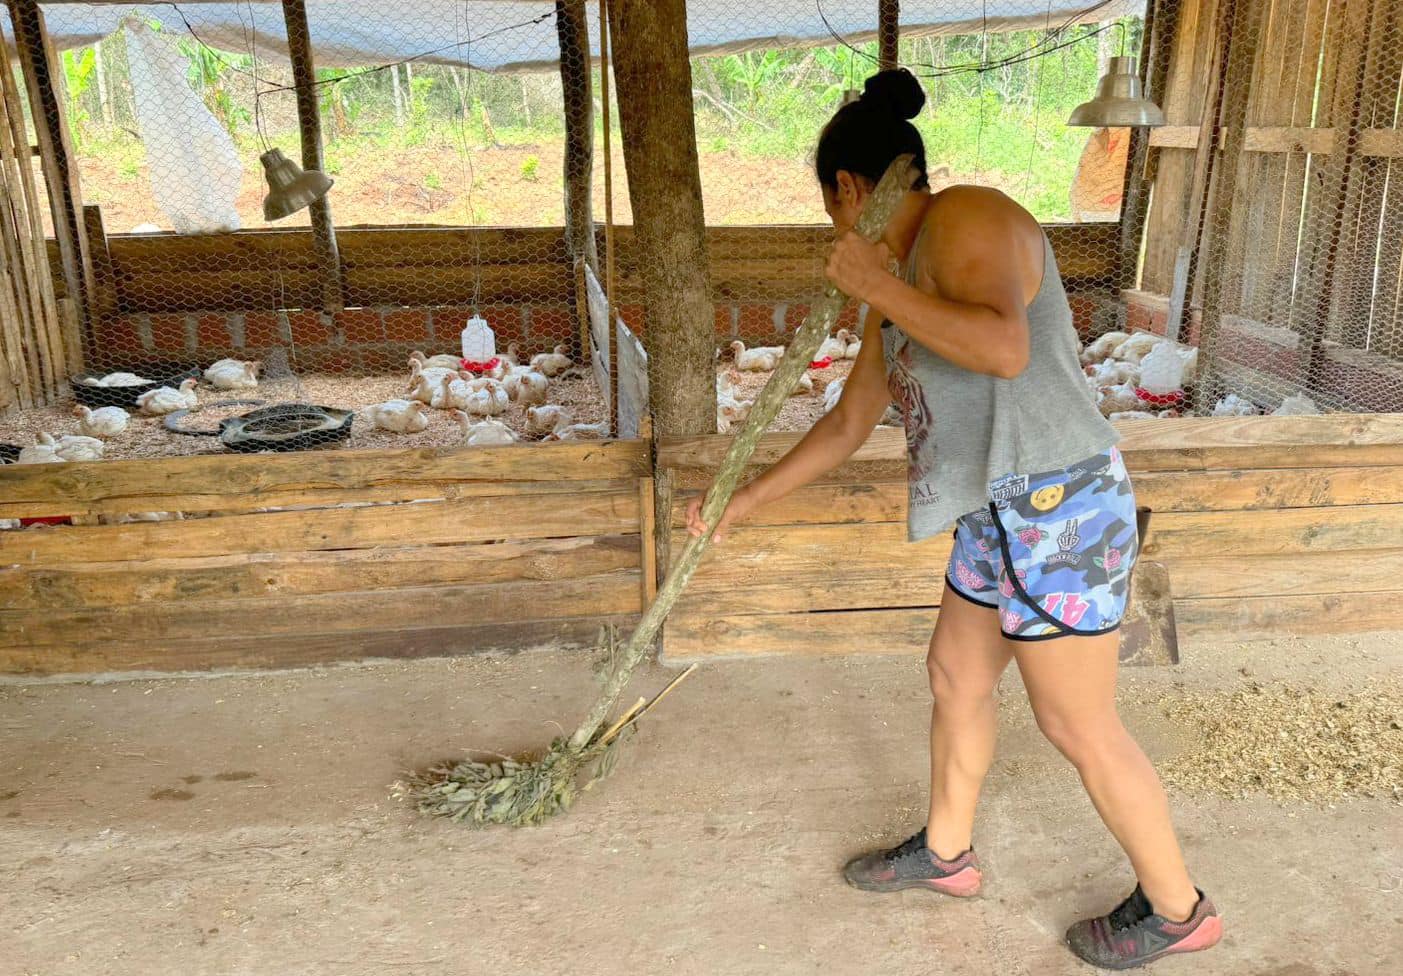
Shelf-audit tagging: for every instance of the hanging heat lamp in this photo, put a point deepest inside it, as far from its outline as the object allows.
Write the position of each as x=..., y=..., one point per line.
x=1119, y=100
x=290, y=187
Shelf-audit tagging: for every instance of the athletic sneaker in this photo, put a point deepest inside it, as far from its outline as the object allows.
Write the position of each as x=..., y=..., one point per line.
x=1132, y=934
x=914, y=865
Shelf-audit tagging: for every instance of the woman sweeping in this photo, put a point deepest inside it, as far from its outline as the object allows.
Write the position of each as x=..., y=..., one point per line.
x=978, y=350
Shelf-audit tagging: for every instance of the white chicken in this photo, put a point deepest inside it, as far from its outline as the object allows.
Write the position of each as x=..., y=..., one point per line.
x=43, y=451
x=806, y=384
x=102, y=422
x=485, y=398
x=483, y=433
x=1100, y=348
x=512, y=357
x=1133, y=349
x=551, y=363
x=233, y=374
x=1118, y=398
x=1110, y=372
x=759, y=359
x=400, y=416
x=854, y=345
x=440, y=361
x=117, y=379
x=1296, y=405
x=831, y=394
x=163, y=399
x=1189, y=354
x=1131, y=415
x=579, y=432
x=543, y=420
x=77, y=447
x=731, y=410
x=726, y=386
x=1233, y=405
x=432, y=375
x=835, y=346
x=526, y=386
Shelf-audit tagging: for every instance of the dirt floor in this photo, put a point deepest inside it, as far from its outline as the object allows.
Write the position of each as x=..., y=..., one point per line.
x=242, y=825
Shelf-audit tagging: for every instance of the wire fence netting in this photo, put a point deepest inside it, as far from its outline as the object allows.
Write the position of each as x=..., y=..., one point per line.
x=1268, y=264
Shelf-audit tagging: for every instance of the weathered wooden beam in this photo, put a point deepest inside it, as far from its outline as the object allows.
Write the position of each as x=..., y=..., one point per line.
x=653, y=75
x=888, y=33
x=43, y=78
x=1161, y=21
x=572, y=31
x=304, y=74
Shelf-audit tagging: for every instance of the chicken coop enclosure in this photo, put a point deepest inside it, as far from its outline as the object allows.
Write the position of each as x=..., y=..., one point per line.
x=517, y=163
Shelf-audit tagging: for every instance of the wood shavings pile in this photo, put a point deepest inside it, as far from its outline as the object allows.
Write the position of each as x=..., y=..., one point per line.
x=1291, y=744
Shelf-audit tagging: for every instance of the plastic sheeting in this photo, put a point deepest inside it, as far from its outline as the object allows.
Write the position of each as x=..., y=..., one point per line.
x=504, y=35
x=194, y=167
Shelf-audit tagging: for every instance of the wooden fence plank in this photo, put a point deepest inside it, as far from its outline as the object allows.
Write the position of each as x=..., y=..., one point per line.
x=1241, y=619
x=406, y=609
x=1181, y=535
x=256, y=576
x=822, y=505
x=467, y=520
x=1296, y=574
x=1267, y=488
x=209, y=481
x=241, y=651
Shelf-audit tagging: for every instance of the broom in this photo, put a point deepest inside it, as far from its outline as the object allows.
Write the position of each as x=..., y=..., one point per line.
x=525, y=791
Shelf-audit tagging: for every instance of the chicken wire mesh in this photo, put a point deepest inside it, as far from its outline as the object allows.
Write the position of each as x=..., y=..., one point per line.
x=1277, y=256
x=444, y=213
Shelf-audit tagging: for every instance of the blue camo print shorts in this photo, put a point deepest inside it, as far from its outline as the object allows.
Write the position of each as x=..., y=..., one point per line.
x=1068, y=538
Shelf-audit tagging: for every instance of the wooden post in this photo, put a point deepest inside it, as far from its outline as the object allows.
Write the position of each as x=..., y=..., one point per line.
x=653, y=75
x=609, y=264
x=1161, y=20
x=572, y=31
x=304, y=74
x=888, y=33
x=42, y=77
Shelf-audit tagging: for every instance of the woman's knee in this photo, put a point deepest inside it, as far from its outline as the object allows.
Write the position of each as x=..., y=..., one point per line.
x=1083, y=736
x=954, y=689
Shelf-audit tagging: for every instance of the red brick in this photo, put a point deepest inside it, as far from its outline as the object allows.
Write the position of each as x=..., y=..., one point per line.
x=407, y=325
x=757, y=323
x=262, y=329
x=212, y=331
x=725, y=322
x=848, y=318
x=325, y=360
x=794, y=316
x=309, y=327
x=633, y=316
x=168, y=332
x=360, y=325
x=389, y=358
x=551, y=324
x=117, y=337
x=1195, y=330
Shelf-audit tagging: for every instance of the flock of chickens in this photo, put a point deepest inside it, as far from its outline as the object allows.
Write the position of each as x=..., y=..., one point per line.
x=476, y=400
x=435, y=383
x=732, y=408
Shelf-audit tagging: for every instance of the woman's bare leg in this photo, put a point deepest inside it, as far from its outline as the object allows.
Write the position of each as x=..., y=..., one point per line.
x=1071, y=684
x=967, y=655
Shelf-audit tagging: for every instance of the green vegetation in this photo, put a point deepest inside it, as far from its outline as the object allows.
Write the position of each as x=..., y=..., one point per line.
x=1004, y=125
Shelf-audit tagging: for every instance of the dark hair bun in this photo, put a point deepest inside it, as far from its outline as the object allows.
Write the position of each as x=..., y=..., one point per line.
x=896, y=91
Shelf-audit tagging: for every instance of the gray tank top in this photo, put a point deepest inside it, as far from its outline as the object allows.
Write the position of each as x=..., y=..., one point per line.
x=966, y=429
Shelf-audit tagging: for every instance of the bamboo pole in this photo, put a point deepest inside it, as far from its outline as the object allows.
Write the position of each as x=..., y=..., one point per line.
x=824, y=315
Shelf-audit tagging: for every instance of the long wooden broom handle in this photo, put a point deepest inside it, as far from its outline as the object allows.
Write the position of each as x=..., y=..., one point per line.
x=889, y=192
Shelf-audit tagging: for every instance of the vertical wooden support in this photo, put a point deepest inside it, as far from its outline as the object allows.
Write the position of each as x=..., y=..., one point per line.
x=653, y=74
x=646, y=539
x=888, y=33
x=104, y=273
x=1161, y=19
x=609, y=331
x=43, y=78
x=572, y=31
x=304, y=74
x=1241, y=34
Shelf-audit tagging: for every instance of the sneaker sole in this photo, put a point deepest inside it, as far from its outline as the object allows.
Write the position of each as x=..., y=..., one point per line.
x=965, y=883
x=1205, y=936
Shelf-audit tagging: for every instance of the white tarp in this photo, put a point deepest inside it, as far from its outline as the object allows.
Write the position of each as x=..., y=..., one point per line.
x=194, y=167
x=499, y=35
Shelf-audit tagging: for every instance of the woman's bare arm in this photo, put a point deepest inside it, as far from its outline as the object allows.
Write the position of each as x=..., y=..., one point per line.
x=830, y=442
x=979, y=257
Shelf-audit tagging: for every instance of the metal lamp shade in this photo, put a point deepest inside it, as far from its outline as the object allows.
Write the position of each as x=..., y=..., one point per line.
x=290, y=188
x=1119, y=100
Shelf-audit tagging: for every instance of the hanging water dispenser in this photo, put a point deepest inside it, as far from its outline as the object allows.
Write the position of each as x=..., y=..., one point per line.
x=479, y=342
